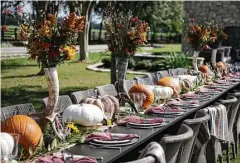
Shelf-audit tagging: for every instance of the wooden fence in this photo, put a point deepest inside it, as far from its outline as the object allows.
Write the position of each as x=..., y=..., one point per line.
x=12, y=36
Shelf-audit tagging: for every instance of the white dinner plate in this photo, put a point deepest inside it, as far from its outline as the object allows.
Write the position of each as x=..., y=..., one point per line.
x=132, y=141
x=146, y=127
x=111, y=141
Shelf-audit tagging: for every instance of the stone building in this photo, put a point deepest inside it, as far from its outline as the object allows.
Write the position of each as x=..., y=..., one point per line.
x=225, y=13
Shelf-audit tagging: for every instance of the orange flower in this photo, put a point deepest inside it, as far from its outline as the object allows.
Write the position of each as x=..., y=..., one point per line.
x=45, y=30
x=68, y=51
x=4, y=28
x=52, y=19
x=80, y=24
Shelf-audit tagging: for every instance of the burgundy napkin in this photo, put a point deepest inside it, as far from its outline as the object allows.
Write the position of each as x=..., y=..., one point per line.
x=173, y=109
x=139, y=120
x=109, y=136
x=155, y=109
x=58, y=158
x=188, y=95
x=161, y=109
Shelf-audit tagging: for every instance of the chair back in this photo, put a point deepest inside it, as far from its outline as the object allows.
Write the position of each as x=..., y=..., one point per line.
x=148, y=159
x=152, y=153
x=231, y=104
x=177, y=71
x=146, y=79
x=108, y=89
x=128, y=85
x=23, y=109
x=237, y=119
x=63, y=102
x=172, y=144
x=162, y=74
x=79, y=95
x=186, y=149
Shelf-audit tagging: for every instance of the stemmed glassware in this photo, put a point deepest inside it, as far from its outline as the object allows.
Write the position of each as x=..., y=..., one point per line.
x=8, y=157
x=138, y=98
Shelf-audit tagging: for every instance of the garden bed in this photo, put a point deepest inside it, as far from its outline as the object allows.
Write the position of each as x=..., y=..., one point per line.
x=151, y=62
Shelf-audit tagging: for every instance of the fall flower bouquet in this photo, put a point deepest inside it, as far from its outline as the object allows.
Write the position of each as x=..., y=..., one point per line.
x=49, y=41
x=125, y=33
x=53, y=42
x=199, y=35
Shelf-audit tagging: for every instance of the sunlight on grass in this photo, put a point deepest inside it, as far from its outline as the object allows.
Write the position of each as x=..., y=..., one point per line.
x=20, y=85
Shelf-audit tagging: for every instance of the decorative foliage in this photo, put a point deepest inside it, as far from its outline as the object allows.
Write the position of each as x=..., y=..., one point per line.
x=49, y=41
x=199, y=35
x=125, y=32
x=176, y=60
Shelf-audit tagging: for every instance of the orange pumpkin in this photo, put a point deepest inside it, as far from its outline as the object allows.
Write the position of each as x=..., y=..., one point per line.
x=141, y=88
x=220, y=65
x=174, y=83
x=29, y=131
x=204, y=69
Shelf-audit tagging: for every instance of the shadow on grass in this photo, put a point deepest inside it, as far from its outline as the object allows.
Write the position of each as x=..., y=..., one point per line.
x=20, y=76
x=31, y=94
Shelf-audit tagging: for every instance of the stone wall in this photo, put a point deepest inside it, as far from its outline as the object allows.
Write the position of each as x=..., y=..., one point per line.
x=225, y=13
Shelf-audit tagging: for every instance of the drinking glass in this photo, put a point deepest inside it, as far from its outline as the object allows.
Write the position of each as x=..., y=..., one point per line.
x=138, y=98
x=8, y=157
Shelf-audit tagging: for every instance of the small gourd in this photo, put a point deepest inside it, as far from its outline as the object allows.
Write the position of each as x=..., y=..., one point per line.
x=174, y=83
x=163, y=92
x=6, y=144
x=84, y=114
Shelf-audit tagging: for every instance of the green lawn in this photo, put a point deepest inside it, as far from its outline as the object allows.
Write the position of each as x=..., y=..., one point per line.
x=20, y=85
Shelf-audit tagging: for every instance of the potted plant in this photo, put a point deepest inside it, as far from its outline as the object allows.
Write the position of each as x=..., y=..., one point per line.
x=199, y=36
x=50, y=42
x=125, y=34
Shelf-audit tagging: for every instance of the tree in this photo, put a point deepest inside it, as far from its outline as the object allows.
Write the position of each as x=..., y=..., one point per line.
x=86, y=8
x=165, y=14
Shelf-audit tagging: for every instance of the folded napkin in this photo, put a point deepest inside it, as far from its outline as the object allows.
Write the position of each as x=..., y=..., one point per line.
x=58, y=158
x=180, y=102
x=139, y=120
x=162, y=109
x=109, y=136
x=154, y=149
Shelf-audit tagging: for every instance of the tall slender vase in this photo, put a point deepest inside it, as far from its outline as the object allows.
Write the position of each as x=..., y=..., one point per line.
x=53, y=91
x=194, y=60
x=122, y=64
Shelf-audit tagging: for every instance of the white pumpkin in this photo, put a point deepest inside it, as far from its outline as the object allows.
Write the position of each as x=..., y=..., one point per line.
x=84, y=114
x=6, y=144
x=163, y=92
x=189, y=79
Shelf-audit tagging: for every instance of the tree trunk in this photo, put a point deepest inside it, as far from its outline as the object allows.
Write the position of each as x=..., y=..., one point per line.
x=84, y=37
x=100, y=32
x=113, y=69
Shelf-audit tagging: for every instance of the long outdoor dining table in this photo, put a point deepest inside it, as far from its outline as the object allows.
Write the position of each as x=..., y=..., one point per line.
x=131, y=152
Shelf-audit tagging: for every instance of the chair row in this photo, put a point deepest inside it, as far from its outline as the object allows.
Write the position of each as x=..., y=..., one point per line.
x=152, y=79
x=176, y=148
x=196, y=141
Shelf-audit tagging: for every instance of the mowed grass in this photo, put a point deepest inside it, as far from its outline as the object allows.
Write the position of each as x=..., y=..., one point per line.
x=20, y=84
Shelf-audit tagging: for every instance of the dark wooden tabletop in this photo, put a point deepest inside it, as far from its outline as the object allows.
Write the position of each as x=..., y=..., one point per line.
x=131, y=152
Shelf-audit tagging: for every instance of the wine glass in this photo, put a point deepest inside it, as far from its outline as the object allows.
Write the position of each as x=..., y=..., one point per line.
x=138, y=98
x=8, y=157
